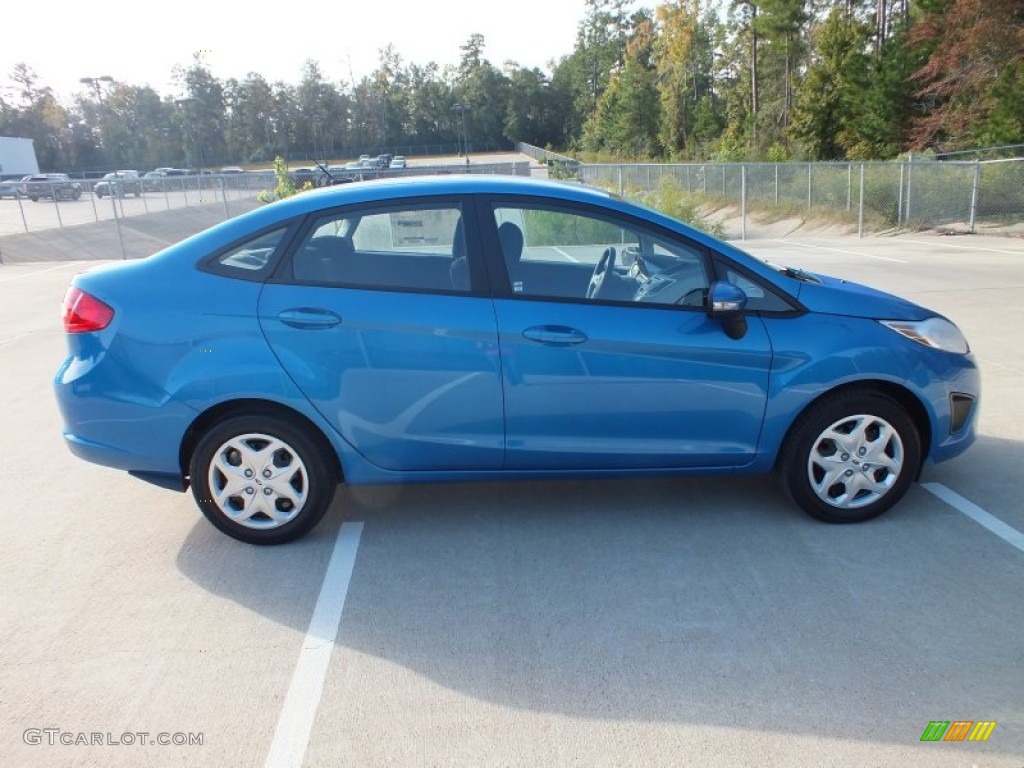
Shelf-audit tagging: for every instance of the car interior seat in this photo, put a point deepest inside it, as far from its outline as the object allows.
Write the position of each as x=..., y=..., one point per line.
x=511, y=238
x=459, y=270
x=323, y=259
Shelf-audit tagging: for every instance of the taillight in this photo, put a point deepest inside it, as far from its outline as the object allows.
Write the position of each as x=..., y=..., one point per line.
x=84, y=313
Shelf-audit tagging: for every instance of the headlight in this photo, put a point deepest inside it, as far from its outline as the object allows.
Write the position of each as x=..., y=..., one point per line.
x=934, y=332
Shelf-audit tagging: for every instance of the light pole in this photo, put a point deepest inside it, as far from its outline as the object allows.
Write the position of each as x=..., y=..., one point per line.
x=96, y=83
x=461, y=109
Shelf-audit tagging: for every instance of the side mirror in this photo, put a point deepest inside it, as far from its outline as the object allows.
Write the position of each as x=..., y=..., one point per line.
x=727, y=302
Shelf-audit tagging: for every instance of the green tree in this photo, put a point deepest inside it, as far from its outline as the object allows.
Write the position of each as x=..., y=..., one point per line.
x=484, y=91
x=203, y=112
x=887, y=106
x=600, y=49
x=430, y=101
x=827, y=100
x=675, y=52
x=781, y=23
x=531, y=114
x=35, y=113
x=320, y=114
x=627, y=116
x=252, y=121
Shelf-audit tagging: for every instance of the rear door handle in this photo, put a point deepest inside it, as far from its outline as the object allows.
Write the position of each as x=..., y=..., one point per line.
x=308, y=318
x=555, y=335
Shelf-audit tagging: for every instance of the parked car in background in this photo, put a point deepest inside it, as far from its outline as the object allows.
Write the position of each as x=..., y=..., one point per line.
x=384, y=161
x=303, y=175
x=426, y=329
x=119, y=184
x=56, y=186
x=154, y=181
x=397, y=163
x=9, y=188
x=169, y=180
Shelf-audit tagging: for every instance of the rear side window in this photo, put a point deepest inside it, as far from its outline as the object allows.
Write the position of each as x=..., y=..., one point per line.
x=251, y=258
x=418, y=248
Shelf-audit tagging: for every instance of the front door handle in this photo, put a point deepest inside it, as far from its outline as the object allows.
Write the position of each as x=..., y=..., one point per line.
x=555, y=335
x=308, y=318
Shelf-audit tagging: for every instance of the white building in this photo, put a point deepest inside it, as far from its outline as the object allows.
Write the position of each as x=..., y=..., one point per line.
x=17, y=157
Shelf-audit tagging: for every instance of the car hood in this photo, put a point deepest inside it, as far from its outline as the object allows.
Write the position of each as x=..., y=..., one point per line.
x=833, y=296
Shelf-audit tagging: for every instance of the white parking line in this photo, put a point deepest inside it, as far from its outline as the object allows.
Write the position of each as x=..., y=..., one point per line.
x=840, y=250
x=295, y=722
x=38, y=272
x=19, y=336
x=1007, y=533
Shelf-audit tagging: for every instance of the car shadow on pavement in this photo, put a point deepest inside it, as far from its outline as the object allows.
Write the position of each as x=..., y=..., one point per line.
x=710, y=601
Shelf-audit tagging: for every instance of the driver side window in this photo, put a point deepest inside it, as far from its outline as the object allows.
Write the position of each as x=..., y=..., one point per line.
x=574, y=254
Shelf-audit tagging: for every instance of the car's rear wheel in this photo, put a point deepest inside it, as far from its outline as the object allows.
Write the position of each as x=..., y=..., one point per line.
x=261, y=479
x=851, y=457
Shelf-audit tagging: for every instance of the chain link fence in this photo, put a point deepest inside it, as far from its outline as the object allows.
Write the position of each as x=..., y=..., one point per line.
x=865, y=197
x=1000, y=198
x=873, y=196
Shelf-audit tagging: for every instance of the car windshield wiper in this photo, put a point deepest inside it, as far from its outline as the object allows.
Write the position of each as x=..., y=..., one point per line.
x=799, y=274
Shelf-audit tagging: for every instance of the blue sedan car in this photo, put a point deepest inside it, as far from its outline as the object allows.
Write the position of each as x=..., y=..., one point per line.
x=460, y=328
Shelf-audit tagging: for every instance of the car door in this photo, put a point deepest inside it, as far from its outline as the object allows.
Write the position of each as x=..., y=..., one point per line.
x=635, y=375
x=365, y=318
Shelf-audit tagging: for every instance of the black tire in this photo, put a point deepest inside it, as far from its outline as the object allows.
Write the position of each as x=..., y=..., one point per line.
x=33, y=199
x=304, y=467
x=99, y=194
x=860, y=478
x=77, y=194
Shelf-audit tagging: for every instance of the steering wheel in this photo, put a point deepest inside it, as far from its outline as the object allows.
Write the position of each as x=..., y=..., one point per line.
x=604, y=266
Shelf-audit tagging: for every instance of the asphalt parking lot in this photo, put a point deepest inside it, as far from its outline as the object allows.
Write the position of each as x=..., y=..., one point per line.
x=686, y=622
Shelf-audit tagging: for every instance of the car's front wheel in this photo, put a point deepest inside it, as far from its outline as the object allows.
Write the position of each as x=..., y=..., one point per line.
x=851, y=457
x=261, y=479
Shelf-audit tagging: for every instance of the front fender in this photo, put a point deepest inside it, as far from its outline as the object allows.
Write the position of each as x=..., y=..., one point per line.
x=816, y=354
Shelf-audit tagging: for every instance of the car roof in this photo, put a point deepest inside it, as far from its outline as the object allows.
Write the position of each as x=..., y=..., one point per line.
x=453, y=184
